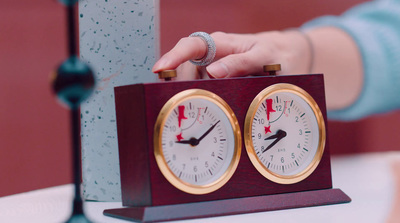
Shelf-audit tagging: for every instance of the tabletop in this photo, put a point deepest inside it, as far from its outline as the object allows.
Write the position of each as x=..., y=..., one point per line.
x=371, y=180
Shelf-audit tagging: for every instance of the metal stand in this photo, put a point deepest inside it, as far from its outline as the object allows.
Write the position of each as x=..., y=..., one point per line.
x=73, y=83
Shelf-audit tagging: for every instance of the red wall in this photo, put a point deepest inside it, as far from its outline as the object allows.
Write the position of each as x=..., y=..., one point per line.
x=34, y=146
x=33, y=127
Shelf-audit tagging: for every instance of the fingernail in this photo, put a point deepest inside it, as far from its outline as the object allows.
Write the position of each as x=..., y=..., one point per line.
x=209, y=75
x=159, y=65
x=218, y=70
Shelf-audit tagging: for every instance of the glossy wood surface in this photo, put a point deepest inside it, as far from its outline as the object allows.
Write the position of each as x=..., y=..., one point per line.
x=137, y=108
x=231, y=206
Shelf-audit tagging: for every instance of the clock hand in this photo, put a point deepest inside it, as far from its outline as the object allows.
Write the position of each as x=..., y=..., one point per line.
x=279, y=133
x=278, y=136
x=181, y=114
x=208, y=131
x=193, y=141
x=272, y=137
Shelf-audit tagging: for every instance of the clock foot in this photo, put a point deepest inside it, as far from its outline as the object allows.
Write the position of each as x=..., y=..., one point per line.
x=230, y=206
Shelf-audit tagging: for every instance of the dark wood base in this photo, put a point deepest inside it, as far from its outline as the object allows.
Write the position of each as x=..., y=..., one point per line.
x=230, y=206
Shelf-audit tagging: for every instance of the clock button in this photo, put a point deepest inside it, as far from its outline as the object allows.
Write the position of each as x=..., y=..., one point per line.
x=167, y=74
x=272, y=69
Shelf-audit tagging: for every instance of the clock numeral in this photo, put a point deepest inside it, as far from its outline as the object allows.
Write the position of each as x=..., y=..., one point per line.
x=192, y=114
x=293, y=156
x=300, y=132
x=296, y=118
x=172, y=128
x=282, y=160
x=206, y=164
x=195, y=168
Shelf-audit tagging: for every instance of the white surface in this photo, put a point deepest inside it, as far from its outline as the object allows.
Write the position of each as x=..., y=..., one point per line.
x=367, y=179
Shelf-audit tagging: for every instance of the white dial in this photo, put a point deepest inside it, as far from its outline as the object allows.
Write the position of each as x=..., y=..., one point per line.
x=199, y=142
x=286, y=133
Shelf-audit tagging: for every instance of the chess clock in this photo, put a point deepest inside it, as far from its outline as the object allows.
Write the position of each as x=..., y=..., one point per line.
x=204, y=148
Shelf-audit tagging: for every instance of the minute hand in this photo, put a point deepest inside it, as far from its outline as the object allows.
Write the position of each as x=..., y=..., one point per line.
x=278, y=136
x=208, y=131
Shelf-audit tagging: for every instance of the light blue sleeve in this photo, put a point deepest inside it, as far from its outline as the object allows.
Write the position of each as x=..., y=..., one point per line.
x=375, y=27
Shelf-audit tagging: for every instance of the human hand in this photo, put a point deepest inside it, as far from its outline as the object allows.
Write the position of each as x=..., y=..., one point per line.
x=239, y=55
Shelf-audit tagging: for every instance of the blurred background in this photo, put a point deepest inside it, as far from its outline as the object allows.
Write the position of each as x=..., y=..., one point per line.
x=34, y=128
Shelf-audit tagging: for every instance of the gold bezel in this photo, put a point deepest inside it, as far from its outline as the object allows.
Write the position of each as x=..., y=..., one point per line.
x=158, y=129
x=277, y=178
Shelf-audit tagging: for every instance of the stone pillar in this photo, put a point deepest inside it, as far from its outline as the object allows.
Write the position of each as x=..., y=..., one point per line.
x=119, y=40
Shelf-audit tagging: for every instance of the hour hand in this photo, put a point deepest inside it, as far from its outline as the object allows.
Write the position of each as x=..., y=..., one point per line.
x=183, y=142
x=272, y=137
x=278, y=136
x=192, y=141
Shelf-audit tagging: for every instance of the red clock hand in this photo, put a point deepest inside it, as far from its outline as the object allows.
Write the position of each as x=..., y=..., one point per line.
x=181, y=114
x=269, y=107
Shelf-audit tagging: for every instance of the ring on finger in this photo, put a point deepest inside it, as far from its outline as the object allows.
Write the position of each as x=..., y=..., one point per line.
x=211, y=49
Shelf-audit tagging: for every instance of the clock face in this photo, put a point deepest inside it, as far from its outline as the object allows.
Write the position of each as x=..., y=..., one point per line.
x=284, y=133
x=197, y=141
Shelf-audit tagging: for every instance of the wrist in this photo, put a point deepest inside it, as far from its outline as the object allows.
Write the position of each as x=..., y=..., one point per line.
x=302, y=51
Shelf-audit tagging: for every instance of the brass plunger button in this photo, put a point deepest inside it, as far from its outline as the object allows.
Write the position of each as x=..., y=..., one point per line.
x=272, y=69
x=167, y=74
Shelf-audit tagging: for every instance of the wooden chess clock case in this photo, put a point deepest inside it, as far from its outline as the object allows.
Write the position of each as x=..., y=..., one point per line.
x=150, y=197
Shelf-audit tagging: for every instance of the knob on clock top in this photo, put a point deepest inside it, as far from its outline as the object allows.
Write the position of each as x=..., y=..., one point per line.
x=167, y=74
x=272, y=69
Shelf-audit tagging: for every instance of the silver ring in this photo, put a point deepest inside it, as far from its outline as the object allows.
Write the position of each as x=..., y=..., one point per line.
x=211, y=49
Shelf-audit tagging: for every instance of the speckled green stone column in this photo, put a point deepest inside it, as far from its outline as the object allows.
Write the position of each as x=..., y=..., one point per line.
x=119, y=40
